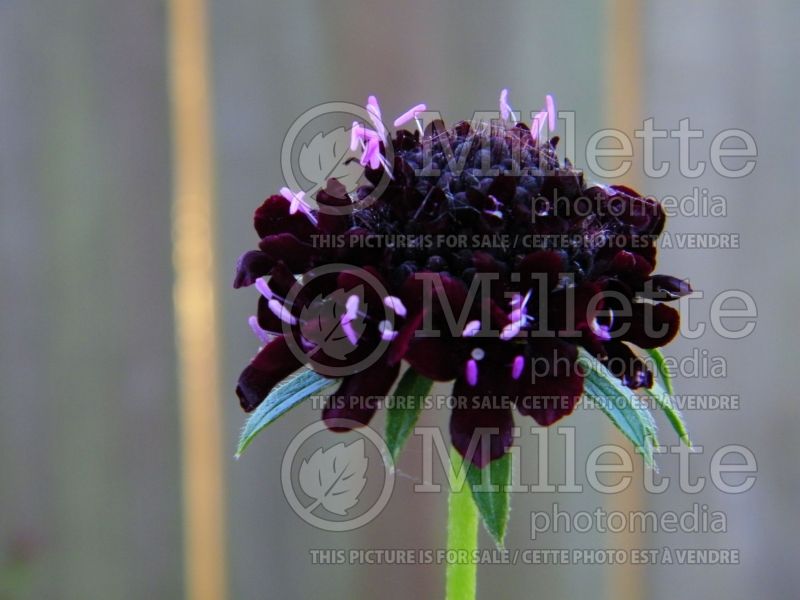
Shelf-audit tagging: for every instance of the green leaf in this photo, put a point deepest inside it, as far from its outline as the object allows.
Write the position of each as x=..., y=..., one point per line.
x=664, y=401
x=281, y=399
x=621, y=405
x=493, y=505
x=409, y=398
x=663, y=398
x=661, y=368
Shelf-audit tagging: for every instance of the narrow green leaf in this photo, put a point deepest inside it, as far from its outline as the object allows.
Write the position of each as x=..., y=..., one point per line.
x=661, y=369
x=621, y=405
x=409, y=398
x=280, y=400
x=664, y=401
x=493, y=504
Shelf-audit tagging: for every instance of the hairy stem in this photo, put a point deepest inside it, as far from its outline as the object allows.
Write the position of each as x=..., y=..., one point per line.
x=462, y=537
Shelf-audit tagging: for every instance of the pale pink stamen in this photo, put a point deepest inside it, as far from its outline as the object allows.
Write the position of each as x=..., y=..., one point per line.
x=282, y=312
x=538, y=123
x=518, y=316
x=411, y=113
x=371, y=154
x=374, y=112
x=505, y=107
x=263, y=288
x=359, y=133
x=471, y=328
x=472, y=372
x=351, y=307
x=477, y=353
x=510, y=330
x=396, y=305
x=375, y=158
x=297, y=202
x=517, y=366
x=347, y=326
x=262, y=334
x=387, y=333
x=602, y=331
x=355, y=136
x=527, y=297
x=551, y=112
x=372, y=105
x=519, y=303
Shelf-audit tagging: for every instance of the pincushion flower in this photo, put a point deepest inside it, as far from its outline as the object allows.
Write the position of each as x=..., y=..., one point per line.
x=552, y=264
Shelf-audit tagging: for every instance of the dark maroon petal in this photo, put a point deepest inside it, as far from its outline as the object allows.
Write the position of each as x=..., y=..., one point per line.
x=549, y=263
x=571, y=309
x=628, y=367
x=405, y=335
x=551, y=383
x=651, y=325
x=362, y=247
x=630, y=265
x=272, y=364
x=628, y=191
x=358, y=396
x=267, y=319
x=442, y=289
x=281, y=279
x=287, y=247
x=250, y=266
x=643, y=214
x=335, y=213
x=492, y=273
x=351, y=280
x=434, y=358
x=665, y=288
x=498, y=317
x=481, y=413
x=485, y=262
x=273, y=217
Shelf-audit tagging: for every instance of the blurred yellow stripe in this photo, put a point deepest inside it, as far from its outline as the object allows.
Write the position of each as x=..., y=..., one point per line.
x=624, y=112
x=196, y=301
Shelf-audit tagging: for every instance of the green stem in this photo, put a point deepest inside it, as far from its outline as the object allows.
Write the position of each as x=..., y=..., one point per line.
x=462, y=537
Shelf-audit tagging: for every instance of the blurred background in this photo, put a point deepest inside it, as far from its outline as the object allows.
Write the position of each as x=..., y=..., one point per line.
x=91, y=462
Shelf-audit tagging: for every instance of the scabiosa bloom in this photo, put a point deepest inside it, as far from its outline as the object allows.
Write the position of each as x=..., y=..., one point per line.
x=561, y=264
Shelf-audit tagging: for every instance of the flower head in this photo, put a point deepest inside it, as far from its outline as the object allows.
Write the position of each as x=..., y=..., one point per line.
x=543, y=264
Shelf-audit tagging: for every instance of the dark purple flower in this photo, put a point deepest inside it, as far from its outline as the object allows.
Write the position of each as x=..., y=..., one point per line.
x=575, y=269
